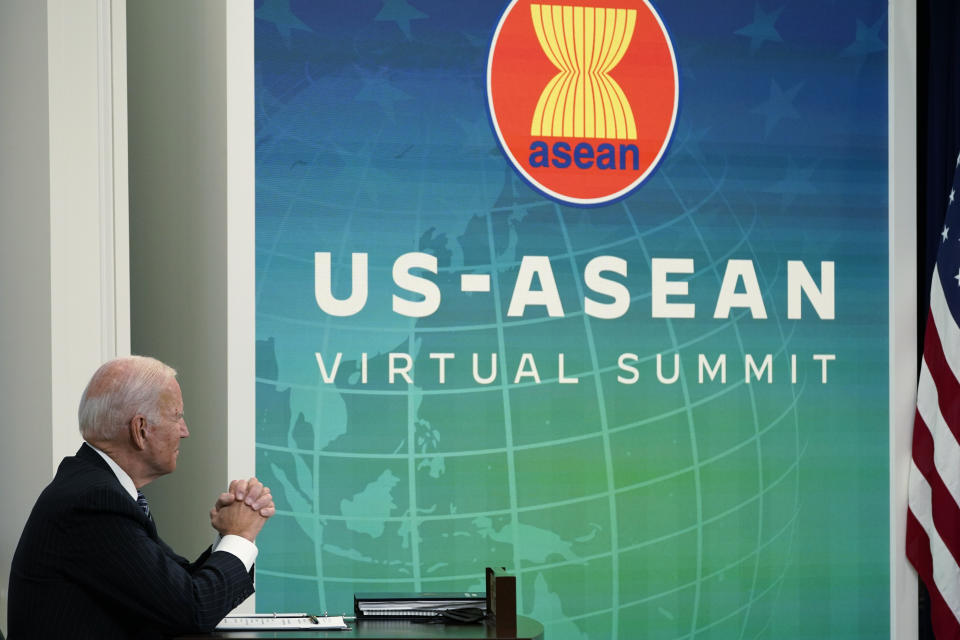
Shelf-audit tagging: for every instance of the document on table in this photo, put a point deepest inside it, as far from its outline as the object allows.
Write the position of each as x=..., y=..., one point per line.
x=274, y=621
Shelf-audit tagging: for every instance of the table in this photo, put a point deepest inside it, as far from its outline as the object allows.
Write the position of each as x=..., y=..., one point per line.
x=527, y=629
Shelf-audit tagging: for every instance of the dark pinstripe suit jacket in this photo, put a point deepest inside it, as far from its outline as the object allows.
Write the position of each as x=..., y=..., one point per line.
x=90, y=565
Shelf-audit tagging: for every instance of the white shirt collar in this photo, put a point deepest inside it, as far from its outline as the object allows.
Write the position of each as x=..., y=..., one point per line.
x=125, y=481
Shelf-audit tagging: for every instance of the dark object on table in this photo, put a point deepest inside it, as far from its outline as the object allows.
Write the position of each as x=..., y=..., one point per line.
x=502, y=600
x=460, y=608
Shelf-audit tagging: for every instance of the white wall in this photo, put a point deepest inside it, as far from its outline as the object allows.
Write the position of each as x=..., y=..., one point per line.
x=25, y=391
x=191, y=132
x=64, y=310
x=64, y=260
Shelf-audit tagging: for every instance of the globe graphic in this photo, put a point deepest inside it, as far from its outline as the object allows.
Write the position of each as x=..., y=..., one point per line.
x=636, y=489
x=640, y=476
x=681, y=470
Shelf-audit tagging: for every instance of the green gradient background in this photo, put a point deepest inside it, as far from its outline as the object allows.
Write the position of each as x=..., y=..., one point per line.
x=647, y=510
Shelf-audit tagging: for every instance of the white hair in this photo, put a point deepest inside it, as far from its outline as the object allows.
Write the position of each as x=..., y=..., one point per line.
x=119, y=390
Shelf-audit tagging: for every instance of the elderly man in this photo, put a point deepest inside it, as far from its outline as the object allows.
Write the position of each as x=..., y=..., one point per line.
x=90, y=563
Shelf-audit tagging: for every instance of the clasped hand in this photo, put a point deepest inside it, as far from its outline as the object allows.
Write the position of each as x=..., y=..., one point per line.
x=242, y=509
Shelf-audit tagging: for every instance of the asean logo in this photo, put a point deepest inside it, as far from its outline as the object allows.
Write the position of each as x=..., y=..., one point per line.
x=583, y=96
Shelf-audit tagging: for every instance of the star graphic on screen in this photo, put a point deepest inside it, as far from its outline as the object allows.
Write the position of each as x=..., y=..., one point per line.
x=867, y=40
x=477, y=42
x=945, y=233
x=953, y=193
x=402, y=13
x=762, y=28
x=957, y=278
x=689, y=139
x=797, y=182
x=778, y=106
x=278, y=12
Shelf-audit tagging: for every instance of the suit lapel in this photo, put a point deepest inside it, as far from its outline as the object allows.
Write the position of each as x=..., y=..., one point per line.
x=88, y=455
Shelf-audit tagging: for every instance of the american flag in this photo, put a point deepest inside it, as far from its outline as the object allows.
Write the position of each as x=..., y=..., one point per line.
x=933, y=513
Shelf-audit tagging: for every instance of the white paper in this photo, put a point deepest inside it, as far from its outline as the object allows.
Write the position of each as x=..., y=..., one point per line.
x=272, y=621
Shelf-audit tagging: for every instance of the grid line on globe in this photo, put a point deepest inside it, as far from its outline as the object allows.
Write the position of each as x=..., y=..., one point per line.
x=411, y=457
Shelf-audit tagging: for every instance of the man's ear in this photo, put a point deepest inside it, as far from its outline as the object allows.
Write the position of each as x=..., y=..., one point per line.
x=138, y=432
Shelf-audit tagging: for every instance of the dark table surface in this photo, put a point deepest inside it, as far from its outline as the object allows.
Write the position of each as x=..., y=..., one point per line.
x=527, y=629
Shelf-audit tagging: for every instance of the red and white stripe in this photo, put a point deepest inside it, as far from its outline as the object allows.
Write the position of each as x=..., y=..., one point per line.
x=933, y=514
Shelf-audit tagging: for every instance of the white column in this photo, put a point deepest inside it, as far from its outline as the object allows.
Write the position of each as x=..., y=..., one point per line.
x=902, y=36
x=62, y=202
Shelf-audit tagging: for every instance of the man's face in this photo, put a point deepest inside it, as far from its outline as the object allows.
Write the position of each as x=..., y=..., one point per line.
x=163, y=440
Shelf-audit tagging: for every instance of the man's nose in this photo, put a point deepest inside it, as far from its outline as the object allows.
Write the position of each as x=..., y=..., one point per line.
x=184, y=432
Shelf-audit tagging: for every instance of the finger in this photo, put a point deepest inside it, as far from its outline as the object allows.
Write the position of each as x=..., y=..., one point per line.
x=224, y=499
x=239, y=488
x=266, y=512
x=264, y=500
x=254, y=488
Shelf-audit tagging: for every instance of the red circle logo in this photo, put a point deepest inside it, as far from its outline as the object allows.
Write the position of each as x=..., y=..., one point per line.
x=583, y=95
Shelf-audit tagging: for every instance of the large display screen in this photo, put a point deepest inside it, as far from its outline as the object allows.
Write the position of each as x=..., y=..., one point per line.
x=594, y=290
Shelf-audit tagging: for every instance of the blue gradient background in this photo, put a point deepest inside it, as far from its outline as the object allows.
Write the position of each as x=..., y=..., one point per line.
x=713, y=510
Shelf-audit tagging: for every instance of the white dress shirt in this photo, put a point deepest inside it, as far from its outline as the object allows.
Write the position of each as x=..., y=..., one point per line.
x=239, y=546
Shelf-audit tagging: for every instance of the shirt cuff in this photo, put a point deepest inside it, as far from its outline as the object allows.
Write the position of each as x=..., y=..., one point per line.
x=239, y=546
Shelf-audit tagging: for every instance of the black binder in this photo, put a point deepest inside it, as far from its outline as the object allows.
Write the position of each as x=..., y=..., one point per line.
x=466, y=606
